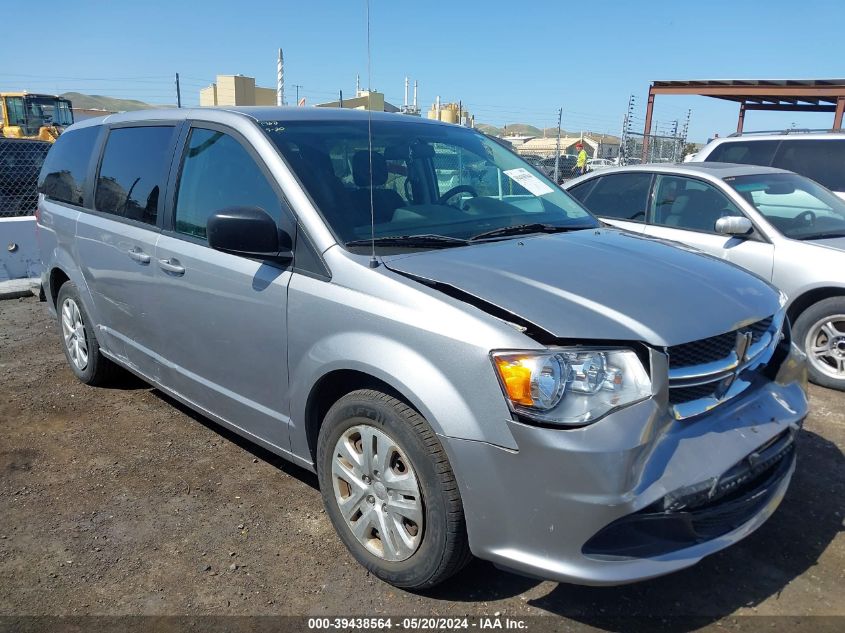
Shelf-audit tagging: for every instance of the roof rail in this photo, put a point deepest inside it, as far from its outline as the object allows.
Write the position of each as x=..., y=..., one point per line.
x=788, y=131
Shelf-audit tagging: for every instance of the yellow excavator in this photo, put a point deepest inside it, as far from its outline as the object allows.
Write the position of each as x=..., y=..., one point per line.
x=33, y=116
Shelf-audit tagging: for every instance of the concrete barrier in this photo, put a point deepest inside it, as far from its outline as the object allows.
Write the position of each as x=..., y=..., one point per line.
x=19, y=258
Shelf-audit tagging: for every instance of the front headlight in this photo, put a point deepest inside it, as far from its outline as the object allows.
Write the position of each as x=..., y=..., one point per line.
x=571, y=386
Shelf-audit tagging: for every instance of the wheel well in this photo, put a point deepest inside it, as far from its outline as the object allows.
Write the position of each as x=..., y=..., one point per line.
x=57, y=278
x=810, y=297
x=331, y=388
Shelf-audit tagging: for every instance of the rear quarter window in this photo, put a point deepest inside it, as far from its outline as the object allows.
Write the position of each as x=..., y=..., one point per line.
x=744, y=152
x=64, y=174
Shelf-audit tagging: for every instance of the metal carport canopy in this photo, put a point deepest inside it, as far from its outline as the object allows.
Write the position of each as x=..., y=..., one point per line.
x=786, y=95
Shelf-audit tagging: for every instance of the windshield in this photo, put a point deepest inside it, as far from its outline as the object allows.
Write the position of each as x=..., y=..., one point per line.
x=428, y=180
x=796, y=206
x=33, y=112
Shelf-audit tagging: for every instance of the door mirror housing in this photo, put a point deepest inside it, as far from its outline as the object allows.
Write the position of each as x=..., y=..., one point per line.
x=249, y=232
x=736, y=225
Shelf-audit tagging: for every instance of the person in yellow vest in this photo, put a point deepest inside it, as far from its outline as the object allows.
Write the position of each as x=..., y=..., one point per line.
x=581, y=163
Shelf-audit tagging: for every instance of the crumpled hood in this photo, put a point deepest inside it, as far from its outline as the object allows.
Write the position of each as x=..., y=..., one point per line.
x=601, y=284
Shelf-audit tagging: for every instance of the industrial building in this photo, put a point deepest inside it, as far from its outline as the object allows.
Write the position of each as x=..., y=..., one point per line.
x=237, y=90
x=451, y=113
x=363, y=100
x=374, y=100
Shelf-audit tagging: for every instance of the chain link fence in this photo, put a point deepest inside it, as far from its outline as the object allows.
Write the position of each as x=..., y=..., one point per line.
x=20, y=162
x=661, y=149
x=566, y=165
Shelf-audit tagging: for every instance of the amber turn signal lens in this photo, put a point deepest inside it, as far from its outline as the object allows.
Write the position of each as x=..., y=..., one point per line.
x=517, y=380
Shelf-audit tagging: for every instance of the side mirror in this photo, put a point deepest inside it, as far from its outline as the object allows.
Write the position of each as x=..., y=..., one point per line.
x=249, y=232
x=734, y=225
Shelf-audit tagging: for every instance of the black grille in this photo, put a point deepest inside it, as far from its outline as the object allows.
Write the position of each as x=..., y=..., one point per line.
x=679, y=395
x=759, y=328
x=712, y=349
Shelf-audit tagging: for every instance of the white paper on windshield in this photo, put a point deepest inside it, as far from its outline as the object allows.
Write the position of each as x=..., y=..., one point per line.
x=528, y=180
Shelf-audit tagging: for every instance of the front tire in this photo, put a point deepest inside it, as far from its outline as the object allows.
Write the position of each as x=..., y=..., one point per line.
x=820, y=332
x=390, y=492
x=78, y=341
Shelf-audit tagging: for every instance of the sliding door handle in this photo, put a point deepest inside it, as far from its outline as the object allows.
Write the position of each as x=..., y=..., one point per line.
x=172, y=265
x=138, y=255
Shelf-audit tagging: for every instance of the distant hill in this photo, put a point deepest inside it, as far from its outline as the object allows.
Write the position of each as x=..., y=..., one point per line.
x=99, y=102
x=523, y=129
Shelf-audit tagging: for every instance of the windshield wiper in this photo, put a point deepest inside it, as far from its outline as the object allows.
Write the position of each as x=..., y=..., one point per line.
x=428, y=240
x=821, y=236
x=522, y=229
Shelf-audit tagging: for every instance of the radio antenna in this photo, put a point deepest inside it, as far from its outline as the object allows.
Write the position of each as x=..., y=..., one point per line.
x=373, y=260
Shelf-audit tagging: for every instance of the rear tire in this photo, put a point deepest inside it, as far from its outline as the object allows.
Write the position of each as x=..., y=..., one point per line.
x=78, y=341
x=820, y=332
x=405, y=522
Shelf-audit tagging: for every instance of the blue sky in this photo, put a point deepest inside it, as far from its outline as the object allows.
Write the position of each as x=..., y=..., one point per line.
x=506, y=61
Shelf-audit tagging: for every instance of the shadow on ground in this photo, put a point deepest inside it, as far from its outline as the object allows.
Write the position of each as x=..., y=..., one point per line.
x=287, y=467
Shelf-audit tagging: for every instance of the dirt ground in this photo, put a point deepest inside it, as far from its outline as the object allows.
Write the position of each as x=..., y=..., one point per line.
x=120, y=501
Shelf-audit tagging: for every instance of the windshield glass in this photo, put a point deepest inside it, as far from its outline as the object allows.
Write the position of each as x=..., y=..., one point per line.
x=427, y=180
x=33, y=112
x=796, y=206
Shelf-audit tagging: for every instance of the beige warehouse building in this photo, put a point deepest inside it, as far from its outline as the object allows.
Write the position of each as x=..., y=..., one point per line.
x=237, y=90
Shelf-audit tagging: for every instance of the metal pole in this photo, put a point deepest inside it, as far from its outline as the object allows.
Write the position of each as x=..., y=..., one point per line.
x=341, y=98
x=647, y=129
x=297, y=86
x=840, y=110
x=557, y=150
x=178, y=93
x=741, y=120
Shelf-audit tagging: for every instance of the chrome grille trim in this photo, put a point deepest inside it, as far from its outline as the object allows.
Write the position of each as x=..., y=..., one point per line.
x=724, y=365
x=698, y=388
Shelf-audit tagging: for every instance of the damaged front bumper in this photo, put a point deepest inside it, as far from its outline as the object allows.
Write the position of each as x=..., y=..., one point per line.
x=638, y=494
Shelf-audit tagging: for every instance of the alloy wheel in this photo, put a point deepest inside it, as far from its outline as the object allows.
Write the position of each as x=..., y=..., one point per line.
x=825, y=345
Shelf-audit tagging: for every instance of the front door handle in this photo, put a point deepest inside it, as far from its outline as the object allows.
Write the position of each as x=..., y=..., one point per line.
x=172, y=265
x=138, y=255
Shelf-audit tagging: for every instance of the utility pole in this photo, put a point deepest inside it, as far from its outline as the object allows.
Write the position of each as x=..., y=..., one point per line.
x=178, y=93
x=297, y=86
x=557, y=149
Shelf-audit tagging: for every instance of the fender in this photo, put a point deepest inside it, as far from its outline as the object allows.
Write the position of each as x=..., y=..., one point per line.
x=410, y=373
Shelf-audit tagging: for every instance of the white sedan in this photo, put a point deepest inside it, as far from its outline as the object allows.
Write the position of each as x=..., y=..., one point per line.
x=781, y=226
x=594, y=164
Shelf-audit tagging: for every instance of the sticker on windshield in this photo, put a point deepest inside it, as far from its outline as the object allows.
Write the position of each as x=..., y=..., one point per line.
x=528, y=180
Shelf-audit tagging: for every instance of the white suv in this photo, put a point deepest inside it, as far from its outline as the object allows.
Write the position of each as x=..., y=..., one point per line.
x=817, y=155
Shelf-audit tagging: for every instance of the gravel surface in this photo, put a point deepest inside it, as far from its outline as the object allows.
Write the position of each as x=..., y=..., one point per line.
x=121, y=501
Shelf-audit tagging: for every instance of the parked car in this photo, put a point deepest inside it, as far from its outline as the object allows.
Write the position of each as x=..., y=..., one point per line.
x=483, y=369
x=539, y=163
x=820, y=156
x=784, y=227
x=565, y=166
x=594, y=164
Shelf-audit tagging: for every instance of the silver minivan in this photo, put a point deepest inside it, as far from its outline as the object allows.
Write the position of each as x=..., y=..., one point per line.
x=467, y=359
